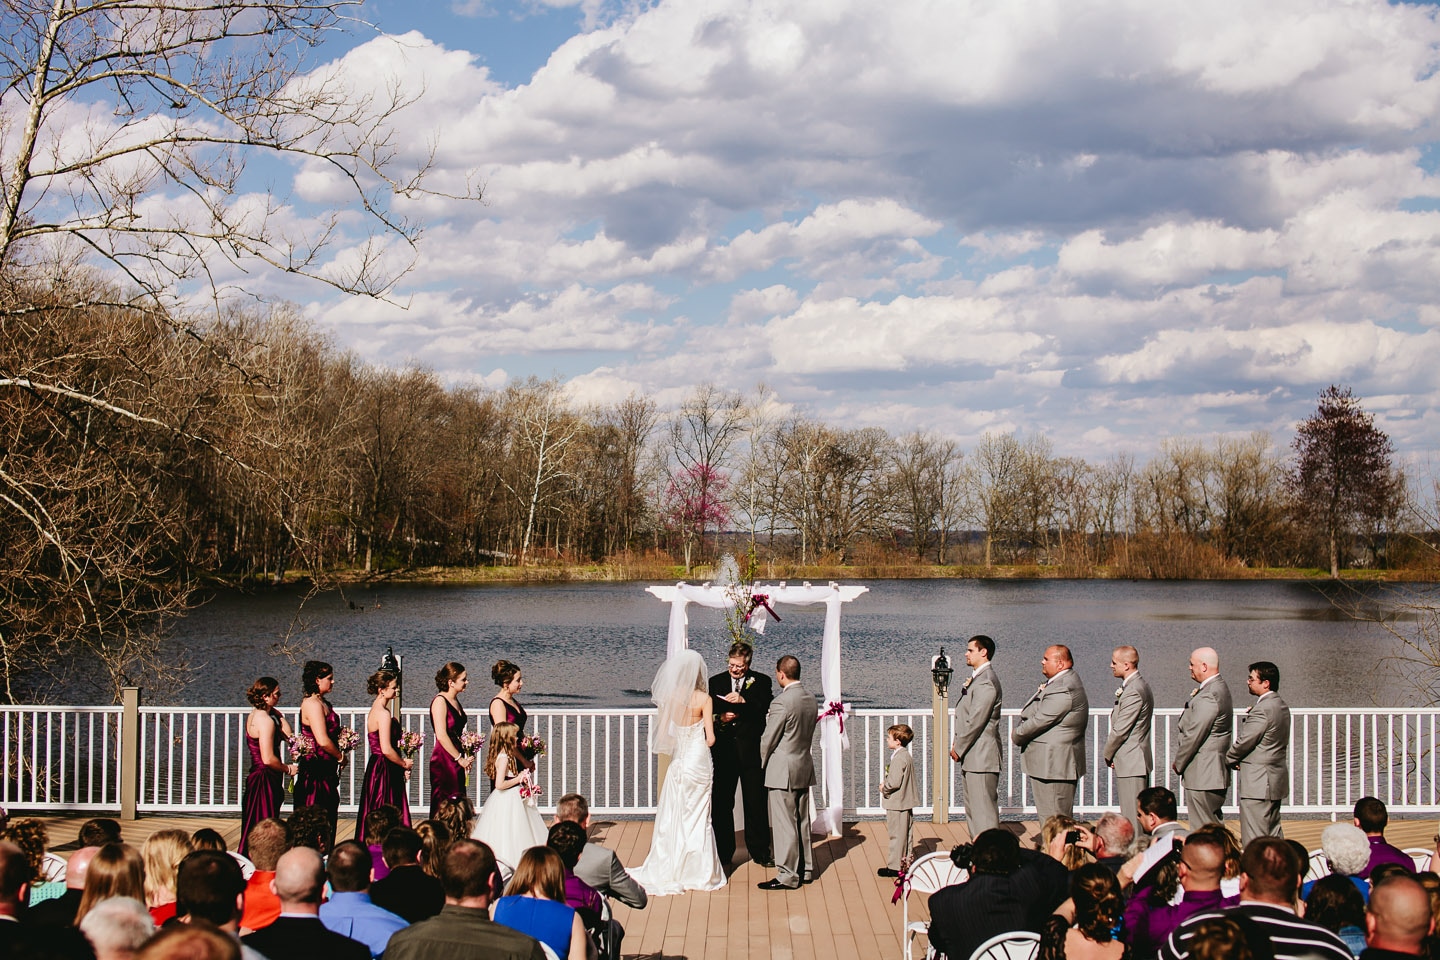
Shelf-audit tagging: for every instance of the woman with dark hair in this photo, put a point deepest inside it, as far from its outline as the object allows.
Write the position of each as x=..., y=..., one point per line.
x=1098, y=905
x=534, y=904
x=265, y=783
x=504, y=708
x=317, y=783
x=1335, y=904
x=386, y=770
x=448, y=762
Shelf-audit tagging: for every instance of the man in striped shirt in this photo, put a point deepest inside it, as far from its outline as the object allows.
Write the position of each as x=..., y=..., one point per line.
x=1269, y=879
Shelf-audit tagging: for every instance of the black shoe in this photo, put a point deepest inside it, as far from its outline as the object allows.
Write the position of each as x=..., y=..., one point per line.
x=768, y=864
x=773, y=885
x=887, y=872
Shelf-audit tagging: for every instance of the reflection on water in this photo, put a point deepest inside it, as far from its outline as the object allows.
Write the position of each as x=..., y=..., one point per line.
x=598, y=645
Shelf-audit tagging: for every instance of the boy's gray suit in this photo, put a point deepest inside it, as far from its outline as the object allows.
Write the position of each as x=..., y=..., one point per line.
x=1202, y=738
x=899, y=797
x=1051, y=738
x=1262, y=780
x=789, y=774
x=1127, y=749
x=977, y=744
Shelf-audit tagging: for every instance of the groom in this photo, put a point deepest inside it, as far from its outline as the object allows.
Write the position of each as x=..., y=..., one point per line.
x=789, y=774
x=741, y=698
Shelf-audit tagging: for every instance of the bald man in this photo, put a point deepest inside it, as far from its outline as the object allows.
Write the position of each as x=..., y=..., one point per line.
x=298, y=934
x=60, y=912
x=1051, y=734
x=1202, y=740
x=1397, y=920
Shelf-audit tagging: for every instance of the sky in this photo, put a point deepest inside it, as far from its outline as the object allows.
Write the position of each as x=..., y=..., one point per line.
x=1106, y=222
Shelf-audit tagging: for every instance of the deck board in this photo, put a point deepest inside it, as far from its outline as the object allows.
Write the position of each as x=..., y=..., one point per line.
x=846, y=913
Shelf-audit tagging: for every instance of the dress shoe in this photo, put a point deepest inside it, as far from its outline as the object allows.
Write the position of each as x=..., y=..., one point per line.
x=887, y=872
x=773, y=885
x=767, y=864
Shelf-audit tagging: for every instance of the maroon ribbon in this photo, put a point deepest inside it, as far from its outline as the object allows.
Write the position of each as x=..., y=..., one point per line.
x=762, y=600
x=902, y=885
x=833, y=709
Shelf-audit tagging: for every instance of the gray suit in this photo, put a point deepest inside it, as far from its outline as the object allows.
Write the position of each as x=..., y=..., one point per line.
x=1260, y=753
x=1127, y=749
x=977, y=743
x=600, y=868
x=899, y=797
x=789, y=774
x=1202, y=737
x=1051, y=738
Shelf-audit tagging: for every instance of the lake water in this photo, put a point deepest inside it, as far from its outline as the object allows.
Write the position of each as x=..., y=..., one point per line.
x=599, y=644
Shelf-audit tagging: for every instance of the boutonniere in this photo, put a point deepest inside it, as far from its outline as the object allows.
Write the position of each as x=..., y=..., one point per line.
x=746, y=684
x=1192, y=696
x=1118, y=691
x=887, y=769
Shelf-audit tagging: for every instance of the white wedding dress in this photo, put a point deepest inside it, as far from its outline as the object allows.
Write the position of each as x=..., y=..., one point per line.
x=509, y=824
x=682, y=848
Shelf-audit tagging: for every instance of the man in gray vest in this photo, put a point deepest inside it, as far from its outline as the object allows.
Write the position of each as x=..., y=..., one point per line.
x=1260, y=755
x=1203, y=736
x=976, y=746
x=1127, y=750
x=789, y=774
x=1051, y=735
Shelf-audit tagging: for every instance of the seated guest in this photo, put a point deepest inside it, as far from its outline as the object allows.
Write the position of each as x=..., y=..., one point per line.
x=435, y=840
x=1348, y=851
x=350, y=910
x=60, y=912
x=1372, y=817
x=118, y=927
x=14, y=891
x=965, y=915
x=1230, y=876
x=1067, y=841
x=115, y=871
x=599, y=867
x=1335, y=904
x=32, y=838
x=267, y=841
x=407, y=890
x=1397, y=920
x=1113, y=838
x=207, y=839
x=211, y=890
x=298, y=933
x=190, y=941
x=1269, y=878
x=99, y=831
x=1150, y=917
x=568, y=840
x=534, y=903
x=1219, y=938
x=309, y=826
x=379, y=822
x=1157, y=808
x=1097, y=908
x=163, y=851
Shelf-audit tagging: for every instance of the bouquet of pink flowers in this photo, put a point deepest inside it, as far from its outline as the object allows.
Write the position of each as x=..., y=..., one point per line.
x=347, y=740
x=470, y=743
x=409, y=743
x=303, y=748
x=532, y=746
x=528, y=790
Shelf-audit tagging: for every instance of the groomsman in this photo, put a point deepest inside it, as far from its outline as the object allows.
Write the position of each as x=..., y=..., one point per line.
x=1127, y=750
x=1051, y=734
x=976, y=746
x=1260, y=755
x=789, y=775
x=741, y=697
x=1204, y=731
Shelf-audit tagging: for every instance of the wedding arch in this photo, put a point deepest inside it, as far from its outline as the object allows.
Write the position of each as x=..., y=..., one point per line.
x=833, y=741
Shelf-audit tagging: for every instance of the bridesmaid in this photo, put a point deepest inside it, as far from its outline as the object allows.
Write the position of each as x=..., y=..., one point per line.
x=385, y=770
x=265, y=783
x=318, y=782
x=504, y=708
x=448, y=762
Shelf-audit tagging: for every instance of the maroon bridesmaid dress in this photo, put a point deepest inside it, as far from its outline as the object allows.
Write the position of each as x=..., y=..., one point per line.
x=384, y=782
x=264, y=786
x=447, y=777
x=318, y=782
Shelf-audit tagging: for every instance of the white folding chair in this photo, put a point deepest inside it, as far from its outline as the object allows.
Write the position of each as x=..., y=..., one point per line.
x=1421, y=856
x=247, y=866
x=1016, y=945
x=1319, y=866
x=52, y=868
x=928, y=874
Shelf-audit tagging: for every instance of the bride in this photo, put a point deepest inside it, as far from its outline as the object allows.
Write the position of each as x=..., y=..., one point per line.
x=682, y=848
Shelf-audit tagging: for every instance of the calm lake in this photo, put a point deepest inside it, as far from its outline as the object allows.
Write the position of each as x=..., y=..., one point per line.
x=599, y=644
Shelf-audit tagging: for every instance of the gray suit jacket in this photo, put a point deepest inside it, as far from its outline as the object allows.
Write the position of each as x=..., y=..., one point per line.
x=1261, y=748
x=898, y=791
x=1128, y=747
x=1051, y=733
x=601, y=869
x=1203, y=736
x=785, y=744
x=977, y=724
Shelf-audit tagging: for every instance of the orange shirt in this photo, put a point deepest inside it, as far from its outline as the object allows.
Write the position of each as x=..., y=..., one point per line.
x=262, y=907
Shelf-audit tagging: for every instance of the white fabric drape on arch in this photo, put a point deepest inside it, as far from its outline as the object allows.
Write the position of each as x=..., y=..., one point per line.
x=833, y=742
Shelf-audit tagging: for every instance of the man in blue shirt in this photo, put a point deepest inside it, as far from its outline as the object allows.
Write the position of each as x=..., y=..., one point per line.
x=349, y=911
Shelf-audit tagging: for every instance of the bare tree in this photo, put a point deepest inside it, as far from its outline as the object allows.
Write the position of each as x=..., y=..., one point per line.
x=920, y=466
x=994, y=475
x=703, y=433
x=542, y=431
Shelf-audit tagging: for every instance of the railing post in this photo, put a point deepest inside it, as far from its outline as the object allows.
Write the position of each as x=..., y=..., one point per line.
x=940, y=755
x=129, y=750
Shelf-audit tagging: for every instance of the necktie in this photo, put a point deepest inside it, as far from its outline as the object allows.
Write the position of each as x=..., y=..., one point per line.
x=734, y=684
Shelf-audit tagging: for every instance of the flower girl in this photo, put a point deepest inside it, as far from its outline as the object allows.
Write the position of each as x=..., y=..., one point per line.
x=509, y=824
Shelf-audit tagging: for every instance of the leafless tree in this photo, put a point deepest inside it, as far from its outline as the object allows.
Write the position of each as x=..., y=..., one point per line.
x=921, y=467
x=702, y=436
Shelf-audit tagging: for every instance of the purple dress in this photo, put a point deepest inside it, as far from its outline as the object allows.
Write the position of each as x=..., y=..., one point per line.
x=384, y=782
x=318, y=782
x=264, y=786
x=447, y=778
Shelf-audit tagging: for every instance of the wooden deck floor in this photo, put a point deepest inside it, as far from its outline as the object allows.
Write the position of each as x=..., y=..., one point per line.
x=845, y=914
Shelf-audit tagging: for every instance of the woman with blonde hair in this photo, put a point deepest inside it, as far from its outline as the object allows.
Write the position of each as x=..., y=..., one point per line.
x=162, y=852
x=116, y=870
x=534, y=904
x=509, y=823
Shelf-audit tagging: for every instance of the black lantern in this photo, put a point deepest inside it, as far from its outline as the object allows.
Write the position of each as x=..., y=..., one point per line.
x=940, y=672
x=388, y=662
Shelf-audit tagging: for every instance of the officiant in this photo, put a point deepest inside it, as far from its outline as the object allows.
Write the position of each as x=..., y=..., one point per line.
x=741, y=699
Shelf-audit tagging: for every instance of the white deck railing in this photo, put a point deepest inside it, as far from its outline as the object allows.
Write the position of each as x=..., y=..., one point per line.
x=193, y=760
